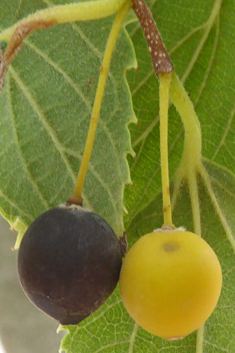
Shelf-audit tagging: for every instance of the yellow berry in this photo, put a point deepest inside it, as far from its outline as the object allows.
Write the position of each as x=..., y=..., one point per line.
x=170, y=282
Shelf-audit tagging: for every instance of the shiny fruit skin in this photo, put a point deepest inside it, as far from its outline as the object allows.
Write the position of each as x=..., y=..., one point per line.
x=69, y=262
x=170, y=282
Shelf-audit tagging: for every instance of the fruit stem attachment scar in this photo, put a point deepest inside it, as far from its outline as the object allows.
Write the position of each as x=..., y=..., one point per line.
x=117, y=25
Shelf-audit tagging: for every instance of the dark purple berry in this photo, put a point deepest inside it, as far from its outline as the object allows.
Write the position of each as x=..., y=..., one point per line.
x=69, y=263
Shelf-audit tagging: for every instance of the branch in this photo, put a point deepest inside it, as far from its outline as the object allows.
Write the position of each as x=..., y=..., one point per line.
x=160, y=58
x=46, y=18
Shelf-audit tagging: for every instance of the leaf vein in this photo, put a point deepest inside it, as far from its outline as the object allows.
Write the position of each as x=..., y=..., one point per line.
x=13, y=204
x=80, y=32
x=226, y=131
x=67, y=78
x=29, y=175
x=42, y=118
x=133, y=337
x=222, y=218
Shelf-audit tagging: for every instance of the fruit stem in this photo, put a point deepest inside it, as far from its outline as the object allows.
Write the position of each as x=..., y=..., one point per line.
x=164, y=89
x=163, y=68
x=117, y=25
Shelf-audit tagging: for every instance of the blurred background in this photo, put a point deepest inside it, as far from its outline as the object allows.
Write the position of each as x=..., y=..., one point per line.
x=23, y=328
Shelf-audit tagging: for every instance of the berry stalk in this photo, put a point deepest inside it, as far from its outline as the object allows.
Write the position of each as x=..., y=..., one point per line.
x=117, y=25
x=163, y=68
x=164, y=89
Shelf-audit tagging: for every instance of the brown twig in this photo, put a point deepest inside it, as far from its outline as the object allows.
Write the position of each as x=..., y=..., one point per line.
x=15, y=44
x=160, y=58
x=22, y=31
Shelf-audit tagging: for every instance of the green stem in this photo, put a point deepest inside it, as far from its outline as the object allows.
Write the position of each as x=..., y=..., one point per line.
x=117, y=25
x=164, y=87
x=200, y=339
x=191, y=159
x=194, y=198
x=81, y=11
x=193, y=141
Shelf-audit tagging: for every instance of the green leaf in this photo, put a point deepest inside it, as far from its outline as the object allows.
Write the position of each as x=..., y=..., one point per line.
x=202, y=52
x=45, y=109
x=111, y=330
x=209, y=82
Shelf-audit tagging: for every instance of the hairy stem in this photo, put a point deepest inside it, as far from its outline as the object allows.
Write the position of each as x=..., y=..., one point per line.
x=54, y=15
x=117, y=25
x=81, y=11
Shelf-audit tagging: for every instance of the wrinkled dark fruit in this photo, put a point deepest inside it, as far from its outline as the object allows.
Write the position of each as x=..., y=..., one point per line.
x=69, y=262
